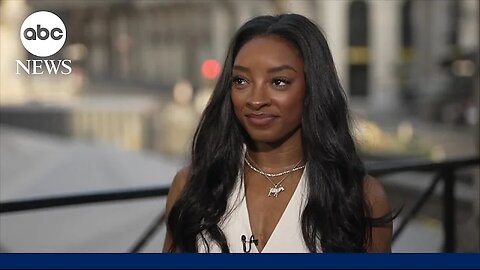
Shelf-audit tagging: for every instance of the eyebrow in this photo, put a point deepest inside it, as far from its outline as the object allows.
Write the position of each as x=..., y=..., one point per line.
x=271, y=70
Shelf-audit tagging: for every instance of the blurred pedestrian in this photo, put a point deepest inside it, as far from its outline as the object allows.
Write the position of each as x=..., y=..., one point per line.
x=178, y=121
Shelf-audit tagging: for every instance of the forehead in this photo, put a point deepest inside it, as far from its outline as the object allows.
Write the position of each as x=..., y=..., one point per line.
x=269, y=50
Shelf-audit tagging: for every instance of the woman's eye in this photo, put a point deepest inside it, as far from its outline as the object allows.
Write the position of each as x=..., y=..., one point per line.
x=237, y=81
x=280, y=82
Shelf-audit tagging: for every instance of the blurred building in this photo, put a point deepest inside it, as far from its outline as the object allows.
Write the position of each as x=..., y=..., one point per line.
x=386, y=52
x=125, y=122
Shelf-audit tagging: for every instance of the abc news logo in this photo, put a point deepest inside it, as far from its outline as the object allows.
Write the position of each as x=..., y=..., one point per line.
x=43, y=34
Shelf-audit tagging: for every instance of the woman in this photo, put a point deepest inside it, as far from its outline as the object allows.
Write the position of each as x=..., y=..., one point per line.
x=274, y=167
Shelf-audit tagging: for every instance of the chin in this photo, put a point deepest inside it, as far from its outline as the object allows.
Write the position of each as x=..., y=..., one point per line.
x=265, y=136
x=272, y=135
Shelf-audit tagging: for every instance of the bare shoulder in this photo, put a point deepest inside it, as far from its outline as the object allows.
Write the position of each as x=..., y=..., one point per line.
x=178, y=184
x=375, y=196
x=377, y=202
x=181, y=178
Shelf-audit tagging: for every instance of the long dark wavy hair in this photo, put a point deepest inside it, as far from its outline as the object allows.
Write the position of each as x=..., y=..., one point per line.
x=336, y=217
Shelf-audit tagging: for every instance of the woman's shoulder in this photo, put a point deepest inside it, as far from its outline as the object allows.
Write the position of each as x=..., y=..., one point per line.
x=376, y=199
x=177, y=186
x=375, y=196
x=181, y=178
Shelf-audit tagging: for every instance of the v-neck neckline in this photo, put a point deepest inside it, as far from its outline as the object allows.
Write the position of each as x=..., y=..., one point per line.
x=287, y=208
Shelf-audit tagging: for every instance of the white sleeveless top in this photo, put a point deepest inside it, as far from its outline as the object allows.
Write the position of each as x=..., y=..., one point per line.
x=285, y=238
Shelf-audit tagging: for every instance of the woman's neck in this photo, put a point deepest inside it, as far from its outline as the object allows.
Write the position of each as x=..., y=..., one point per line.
x=272, y=157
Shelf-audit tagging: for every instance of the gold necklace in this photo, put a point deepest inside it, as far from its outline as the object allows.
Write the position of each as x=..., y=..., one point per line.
x=295, y=168
x=276, y=187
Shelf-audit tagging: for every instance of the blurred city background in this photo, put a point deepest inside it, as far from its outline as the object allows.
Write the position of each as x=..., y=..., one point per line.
x=143, y=71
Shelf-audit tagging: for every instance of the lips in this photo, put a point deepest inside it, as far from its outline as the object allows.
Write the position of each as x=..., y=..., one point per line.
x=260, y=119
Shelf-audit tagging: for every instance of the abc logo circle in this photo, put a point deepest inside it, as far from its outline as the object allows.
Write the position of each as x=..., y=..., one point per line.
x=43, y=33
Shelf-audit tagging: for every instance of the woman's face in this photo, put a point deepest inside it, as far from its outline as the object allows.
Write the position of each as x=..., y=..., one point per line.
x=268, y=89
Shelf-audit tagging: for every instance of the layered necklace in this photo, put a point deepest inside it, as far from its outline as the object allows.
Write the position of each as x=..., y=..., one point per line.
x=276, y=187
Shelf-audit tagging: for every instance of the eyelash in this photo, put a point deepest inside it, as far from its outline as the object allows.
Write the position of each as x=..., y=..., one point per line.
x=281, y=80
x=236, y=79
x=239, y=81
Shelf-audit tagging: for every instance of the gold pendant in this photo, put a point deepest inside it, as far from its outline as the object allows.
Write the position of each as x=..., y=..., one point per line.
x=274, y=191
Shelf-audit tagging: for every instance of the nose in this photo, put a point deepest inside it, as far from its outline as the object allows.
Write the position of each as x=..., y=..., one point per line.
x=258, y=98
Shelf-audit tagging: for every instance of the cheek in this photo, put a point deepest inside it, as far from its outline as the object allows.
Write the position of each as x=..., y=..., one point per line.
x=293, y=109
x=296, y=109
x=237, y=104
x=297, y=103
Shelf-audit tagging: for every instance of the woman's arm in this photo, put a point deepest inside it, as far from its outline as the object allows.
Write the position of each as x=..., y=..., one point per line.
x=376, y=198
x=176, y=189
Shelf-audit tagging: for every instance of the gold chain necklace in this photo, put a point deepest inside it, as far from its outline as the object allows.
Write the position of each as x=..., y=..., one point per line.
x=276, y=187
x=294, y=169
